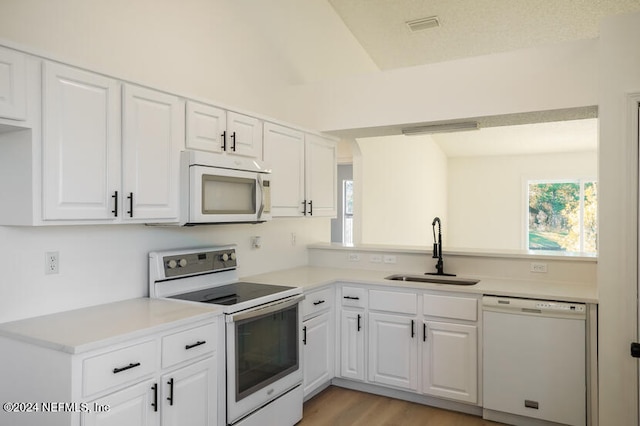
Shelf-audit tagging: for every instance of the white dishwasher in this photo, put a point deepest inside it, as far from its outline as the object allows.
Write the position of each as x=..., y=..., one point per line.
x=534, y=361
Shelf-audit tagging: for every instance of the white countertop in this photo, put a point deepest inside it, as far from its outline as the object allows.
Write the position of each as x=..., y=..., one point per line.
x=94, y=327
x=309, y=277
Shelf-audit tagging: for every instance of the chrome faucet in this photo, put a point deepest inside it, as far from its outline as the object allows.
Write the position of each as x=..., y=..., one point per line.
x=437, y=249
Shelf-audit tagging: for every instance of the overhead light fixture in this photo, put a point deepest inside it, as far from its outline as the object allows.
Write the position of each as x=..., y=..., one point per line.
x=441, y=128
x=423, y=23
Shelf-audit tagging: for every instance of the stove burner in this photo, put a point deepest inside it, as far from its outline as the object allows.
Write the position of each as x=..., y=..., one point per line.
x=232, y=294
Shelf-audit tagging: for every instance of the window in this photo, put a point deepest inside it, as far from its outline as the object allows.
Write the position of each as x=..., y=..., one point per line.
x=347, y=214
x=563, y=216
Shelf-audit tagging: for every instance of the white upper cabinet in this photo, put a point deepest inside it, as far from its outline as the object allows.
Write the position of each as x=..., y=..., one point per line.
x=213, y=129
x=13, y=85
x=80, y=144
x=321, y=176
x=284, y=153
x=206, y=127
x=153, y=136
x=244, y=135
x=304, y=175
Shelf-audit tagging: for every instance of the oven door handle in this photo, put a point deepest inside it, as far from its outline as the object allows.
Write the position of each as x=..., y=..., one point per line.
x=278, y=305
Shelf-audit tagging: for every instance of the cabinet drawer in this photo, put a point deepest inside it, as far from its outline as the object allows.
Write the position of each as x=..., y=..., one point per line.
x=464, y=308
x=392, y=301
x=317, y=301
x=354, y=296
x=118, y=367
x=188, y=344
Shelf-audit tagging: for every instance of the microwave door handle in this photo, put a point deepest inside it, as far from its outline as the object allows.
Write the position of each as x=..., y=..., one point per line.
x=261, y=186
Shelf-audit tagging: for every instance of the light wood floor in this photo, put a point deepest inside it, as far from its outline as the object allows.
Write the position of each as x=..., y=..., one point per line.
x=344, y=407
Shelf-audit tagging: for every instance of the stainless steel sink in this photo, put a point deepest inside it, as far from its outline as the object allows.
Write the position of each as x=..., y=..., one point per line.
x=432, y=279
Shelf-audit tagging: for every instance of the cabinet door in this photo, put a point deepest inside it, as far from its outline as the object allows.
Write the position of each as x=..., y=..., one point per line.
x=153, y=136
x=81, y=144
x=206, y=127
x=318, y=351
x=132, y=406
x=244, y=135
x=450, y=361
x=393, y=351
x=190, y=395
x=284, y=153
x=13, y=85
x=352, y=345
x=321, y=176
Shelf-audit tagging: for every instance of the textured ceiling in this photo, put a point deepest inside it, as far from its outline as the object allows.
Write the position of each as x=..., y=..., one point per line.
x=469, y=28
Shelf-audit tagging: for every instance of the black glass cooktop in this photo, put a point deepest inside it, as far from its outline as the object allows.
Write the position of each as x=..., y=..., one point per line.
x=231, y=294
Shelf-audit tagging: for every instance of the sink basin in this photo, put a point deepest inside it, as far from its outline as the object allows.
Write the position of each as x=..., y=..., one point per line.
x=432, y=279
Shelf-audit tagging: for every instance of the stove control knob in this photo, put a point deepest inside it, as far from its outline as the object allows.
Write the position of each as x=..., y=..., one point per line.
x=182, y=263
x=233, y=255
x=224, y=257
x=172, y=264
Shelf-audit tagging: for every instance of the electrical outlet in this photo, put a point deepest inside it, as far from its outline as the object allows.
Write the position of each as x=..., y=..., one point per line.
x=51, y=262
x=389, y=258
x=538, y=267
x=354, y=257
x=256, y=242
x=375, y=258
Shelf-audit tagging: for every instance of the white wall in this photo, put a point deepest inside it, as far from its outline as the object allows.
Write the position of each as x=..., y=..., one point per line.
x=487, y=194
x=402, y=188
x=100, y=264
x=539, y=79
x=619, y=69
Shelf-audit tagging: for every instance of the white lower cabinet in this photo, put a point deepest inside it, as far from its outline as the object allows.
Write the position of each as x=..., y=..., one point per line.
x=169, y=378
x=318, y=351
x=128, y=407
x=393, y=351
x=318, y=337
x=418, y=341
x=352, y=349
x=449, y=361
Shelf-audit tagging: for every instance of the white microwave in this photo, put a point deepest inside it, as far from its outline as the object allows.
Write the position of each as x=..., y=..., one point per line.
x=223, y=189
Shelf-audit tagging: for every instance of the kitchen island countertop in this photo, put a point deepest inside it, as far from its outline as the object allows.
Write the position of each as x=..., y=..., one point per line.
x=95, y=327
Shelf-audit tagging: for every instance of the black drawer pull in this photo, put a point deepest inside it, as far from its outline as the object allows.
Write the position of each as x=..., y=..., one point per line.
x=351, y=297
x=319, y=302
x=128, y=367
x=170, y=397
x=358, y=325
x=304, y=335
x=198, y=343
x=154, y=404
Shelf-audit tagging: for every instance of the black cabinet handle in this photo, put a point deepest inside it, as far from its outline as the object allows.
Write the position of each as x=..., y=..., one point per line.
x=304, y=335
x=154, y=404
x=224, y=140
x=233, y=145
x=413, y=328
x=198, y=343
x=319, y=302
x=310, y=207
x=351, y=297
x=128, y=367
x=115, y=204
x=170, y=397
x=130, y=198
x=359, y=327
x=304, y=207
x=424, y=332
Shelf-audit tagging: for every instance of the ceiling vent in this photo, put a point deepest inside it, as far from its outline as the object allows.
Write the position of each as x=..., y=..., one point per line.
x=423, y=23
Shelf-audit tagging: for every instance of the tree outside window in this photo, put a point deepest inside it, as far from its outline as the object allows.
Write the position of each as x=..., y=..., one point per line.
x=563, y=216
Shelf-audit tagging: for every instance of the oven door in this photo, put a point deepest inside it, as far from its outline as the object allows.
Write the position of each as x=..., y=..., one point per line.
x=263, y=355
